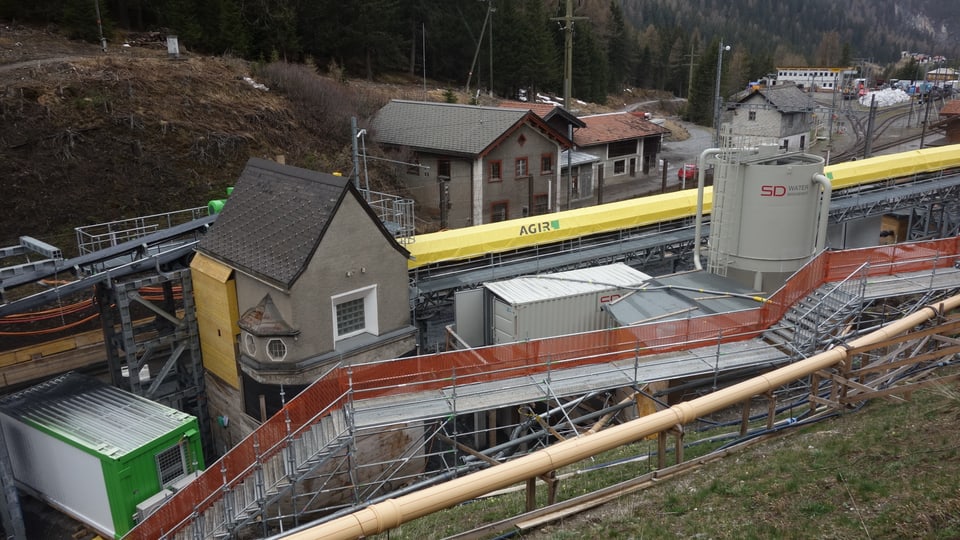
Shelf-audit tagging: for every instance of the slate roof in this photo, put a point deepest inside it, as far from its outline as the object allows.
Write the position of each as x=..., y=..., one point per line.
x=265, y=320
x=448, y=128
x=786, y=98
x=275, y=218
x=613, y=127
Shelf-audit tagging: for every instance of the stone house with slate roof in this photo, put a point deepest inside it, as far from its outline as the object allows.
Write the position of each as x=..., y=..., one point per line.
x=472, y=165
x=781, y=114
x=318, y=280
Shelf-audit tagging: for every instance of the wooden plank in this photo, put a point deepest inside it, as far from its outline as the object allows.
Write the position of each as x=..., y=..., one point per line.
x=926, y=357
x=25, y=354
x=44, y=368
x=905, y=388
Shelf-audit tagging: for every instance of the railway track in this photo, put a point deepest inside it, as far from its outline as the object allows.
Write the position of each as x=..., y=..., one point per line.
x=882, y=136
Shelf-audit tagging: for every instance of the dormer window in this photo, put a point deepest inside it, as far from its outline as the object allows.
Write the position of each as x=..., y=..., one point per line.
x=264, y=330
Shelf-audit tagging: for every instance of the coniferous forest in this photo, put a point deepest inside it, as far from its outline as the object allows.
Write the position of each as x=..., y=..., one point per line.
x=508, y=45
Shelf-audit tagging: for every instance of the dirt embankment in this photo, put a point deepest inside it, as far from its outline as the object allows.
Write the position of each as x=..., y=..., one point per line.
x=89, y=136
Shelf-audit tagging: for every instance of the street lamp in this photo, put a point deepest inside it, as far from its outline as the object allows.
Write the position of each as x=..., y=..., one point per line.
x=716, y=101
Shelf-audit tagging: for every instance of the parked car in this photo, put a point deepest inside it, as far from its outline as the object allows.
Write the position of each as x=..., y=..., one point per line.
x=689, y=171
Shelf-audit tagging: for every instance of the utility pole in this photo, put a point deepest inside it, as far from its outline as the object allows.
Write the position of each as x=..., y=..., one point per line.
x=568, y=20
x=716, y=104
x=926, y=114
x=868, y=143
x=103, y=40
x=833, y=112
x=690, y=77
x=491, y=9
x=476, y=53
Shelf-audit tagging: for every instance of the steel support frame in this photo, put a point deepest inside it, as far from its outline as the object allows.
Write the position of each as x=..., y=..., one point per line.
x=166, y=339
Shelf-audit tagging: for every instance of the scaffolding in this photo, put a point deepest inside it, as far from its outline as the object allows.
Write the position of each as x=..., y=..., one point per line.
x=463, y=410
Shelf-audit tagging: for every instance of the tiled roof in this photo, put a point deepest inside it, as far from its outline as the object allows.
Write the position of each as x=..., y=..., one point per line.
x=447, y=128
x=785, y=98
x=540, y=109
x=613, y=127
x=547, y=111
x=952, y=108
x=274, y=220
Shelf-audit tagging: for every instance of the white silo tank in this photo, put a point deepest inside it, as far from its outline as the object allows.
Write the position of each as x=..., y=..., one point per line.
x=769, y=215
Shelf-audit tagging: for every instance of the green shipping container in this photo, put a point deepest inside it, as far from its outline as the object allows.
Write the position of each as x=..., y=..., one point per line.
x=96, y=452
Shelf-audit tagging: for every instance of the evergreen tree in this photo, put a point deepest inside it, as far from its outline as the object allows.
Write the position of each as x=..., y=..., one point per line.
x=590, y=66
x=700, y=103
x=846, y=57
x=79, y=18
x=619, y=54
x=526, y=57
x=180, y=17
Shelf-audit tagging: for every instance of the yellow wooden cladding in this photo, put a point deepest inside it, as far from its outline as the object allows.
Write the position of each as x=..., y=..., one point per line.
x=215, y=296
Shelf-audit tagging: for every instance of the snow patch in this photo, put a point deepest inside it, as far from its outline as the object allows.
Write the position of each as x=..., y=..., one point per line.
x=256, y=85
x=885, y=97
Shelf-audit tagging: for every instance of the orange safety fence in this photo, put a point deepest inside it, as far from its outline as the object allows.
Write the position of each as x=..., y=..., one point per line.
x=444, y=370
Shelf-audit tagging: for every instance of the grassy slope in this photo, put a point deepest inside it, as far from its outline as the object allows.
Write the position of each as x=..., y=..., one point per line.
x=886, y=471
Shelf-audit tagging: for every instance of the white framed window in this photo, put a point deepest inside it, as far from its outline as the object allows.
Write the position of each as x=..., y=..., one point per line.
x=355, y=313
x=276, y=349
x=250, y=343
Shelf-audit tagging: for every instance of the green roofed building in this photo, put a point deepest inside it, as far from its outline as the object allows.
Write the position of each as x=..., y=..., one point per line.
x=95, y=452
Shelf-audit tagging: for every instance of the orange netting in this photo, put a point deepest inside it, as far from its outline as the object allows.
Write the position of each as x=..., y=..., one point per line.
x=443, y=370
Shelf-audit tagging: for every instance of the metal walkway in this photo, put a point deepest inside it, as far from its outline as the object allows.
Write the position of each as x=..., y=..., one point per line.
x=716, y=359
x=303, y=463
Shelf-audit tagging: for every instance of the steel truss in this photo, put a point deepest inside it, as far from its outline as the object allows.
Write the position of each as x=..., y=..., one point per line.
x=152, y=341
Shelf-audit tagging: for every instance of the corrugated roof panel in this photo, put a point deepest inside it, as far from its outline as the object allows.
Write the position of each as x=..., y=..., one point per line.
x=527, y=289
x=95, y=415
x=681, y=296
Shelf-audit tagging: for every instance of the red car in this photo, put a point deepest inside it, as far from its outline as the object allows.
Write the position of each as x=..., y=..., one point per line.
x=689, y=172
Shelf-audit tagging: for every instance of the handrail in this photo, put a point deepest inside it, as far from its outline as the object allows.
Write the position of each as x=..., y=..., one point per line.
x=493, y=363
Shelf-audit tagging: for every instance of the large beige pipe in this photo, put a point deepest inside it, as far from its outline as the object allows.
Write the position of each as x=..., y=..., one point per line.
x=380, y=517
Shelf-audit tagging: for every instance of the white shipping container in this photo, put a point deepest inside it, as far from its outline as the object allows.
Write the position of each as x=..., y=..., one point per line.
x=547, y=305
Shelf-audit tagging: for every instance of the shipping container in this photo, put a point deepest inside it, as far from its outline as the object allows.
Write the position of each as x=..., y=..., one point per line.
x=545, y=305
x=96, y=452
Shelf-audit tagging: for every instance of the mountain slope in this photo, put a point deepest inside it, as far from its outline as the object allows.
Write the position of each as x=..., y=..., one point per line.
x=874, y=29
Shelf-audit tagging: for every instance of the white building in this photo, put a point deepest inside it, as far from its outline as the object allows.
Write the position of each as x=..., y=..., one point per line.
x=826, y=79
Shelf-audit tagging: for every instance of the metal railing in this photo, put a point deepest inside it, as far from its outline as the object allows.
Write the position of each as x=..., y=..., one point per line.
x=92, y=238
